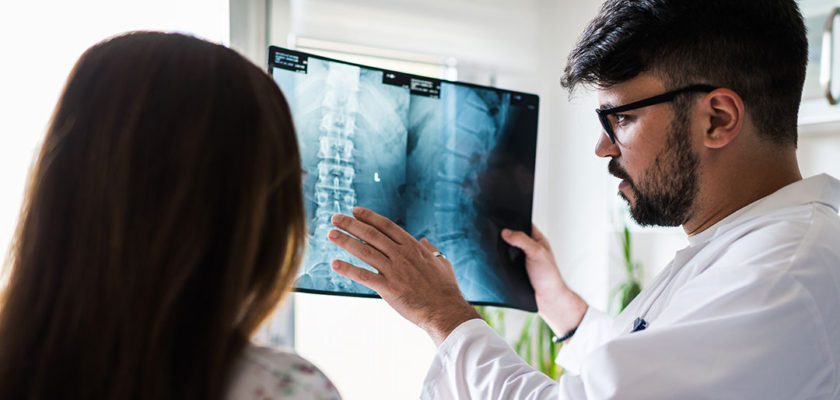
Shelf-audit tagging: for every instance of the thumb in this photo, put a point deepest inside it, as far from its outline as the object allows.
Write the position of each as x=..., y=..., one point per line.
x=538, y=236
x=521, y=240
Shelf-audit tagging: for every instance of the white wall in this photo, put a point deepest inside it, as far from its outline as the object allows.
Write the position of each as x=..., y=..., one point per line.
x=573, y=189
x=496, y=34
x=820, y=152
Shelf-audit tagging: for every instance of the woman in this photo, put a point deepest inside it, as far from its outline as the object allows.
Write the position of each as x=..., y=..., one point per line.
x=162, y=225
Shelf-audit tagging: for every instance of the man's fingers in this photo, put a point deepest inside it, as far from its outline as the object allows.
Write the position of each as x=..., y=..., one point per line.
x=428, y=245
x=432, y=249
x=364, y=252
x=384, y=225
x=521, y=240
x=539, y=237
x=363, y=231
x=370, y=279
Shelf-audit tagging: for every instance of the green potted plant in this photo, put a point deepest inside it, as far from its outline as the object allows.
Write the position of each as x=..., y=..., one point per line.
x=631, y=287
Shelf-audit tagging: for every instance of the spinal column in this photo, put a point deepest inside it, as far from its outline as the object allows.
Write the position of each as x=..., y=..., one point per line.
x=334, y=191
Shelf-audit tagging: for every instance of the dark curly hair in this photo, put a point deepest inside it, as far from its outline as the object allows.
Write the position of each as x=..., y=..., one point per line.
x=758, y=48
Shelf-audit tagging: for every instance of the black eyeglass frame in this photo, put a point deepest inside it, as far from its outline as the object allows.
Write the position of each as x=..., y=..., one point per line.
x=658, y=99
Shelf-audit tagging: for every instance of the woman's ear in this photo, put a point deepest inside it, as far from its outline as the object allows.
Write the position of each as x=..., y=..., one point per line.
x=724, y=115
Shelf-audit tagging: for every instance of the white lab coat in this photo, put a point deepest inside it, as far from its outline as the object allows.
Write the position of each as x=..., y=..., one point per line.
x=749, y=310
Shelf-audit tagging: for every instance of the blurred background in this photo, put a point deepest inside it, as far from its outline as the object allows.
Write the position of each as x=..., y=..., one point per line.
x=366, y=348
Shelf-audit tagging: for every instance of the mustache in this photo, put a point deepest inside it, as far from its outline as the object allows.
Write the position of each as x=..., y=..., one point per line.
x=619, y=172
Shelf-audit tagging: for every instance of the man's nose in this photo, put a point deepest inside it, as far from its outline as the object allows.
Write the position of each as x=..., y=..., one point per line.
x=605, y=147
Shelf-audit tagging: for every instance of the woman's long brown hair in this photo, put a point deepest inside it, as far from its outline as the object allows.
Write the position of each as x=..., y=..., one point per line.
x=162, y=224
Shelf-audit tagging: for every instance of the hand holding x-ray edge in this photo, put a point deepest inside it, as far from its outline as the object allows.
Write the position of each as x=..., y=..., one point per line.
x=422, y=287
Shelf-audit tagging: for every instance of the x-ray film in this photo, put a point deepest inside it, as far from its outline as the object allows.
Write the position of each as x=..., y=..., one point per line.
x=448, y=161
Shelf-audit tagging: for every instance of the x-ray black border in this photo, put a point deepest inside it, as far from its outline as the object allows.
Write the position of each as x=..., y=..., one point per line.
x=376, y=296
x=534, y=99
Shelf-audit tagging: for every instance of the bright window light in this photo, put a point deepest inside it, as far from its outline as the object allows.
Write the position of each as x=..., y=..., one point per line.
x=42, y=41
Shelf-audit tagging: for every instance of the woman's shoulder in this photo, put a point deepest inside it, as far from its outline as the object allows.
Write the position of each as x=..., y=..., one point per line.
x=272, y=373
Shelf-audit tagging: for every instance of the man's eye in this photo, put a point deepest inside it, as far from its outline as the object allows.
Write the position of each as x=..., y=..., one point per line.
x=621, y=119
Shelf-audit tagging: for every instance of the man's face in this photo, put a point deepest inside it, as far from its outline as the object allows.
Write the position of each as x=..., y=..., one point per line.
x=652, y=154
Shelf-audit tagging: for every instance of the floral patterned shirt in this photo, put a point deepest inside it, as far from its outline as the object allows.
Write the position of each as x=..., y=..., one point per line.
x=268, y=373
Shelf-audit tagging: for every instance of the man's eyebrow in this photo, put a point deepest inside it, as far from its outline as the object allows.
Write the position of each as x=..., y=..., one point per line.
x=606, y=105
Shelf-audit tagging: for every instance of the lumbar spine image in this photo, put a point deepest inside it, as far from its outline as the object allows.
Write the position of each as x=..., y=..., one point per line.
x=334, y=193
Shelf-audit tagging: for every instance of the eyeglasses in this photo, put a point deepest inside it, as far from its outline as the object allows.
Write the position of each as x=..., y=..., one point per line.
x=662, y=98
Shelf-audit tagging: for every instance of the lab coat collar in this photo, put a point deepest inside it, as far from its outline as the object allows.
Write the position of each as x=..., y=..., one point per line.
x=821, y=188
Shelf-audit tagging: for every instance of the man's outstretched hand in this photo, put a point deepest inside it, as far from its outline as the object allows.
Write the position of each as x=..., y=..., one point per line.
x=415, y=283
x=561, y=308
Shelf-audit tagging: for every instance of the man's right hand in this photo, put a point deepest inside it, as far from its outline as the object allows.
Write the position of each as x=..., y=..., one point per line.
x=560, y=307
x=410, y=277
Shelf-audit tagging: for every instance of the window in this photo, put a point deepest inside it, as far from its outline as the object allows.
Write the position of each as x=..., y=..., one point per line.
x=46, y=40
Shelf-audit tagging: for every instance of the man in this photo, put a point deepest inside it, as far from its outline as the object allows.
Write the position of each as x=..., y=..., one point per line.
x=698, y=104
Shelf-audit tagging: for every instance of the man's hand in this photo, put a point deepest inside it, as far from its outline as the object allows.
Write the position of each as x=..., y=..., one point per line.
x=418, y=285
x=561, y=308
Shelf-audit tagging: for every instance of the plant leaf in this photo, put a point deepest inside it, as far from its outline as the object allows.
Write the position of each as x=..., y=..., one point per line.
x=630, y=290
x=523, y=341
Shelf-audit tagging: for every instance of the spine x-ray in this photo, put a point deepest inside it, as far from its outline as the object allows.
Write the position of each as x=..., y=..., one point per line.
x=447, y=161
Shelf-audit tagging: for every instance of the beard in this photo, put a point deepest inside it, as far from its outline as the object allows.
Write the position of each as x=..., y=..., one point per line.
x=665, y=193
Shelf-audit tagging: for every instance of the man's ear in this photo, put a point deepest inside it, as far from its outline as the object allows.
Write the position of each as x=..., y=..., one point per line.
x=725, y=112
